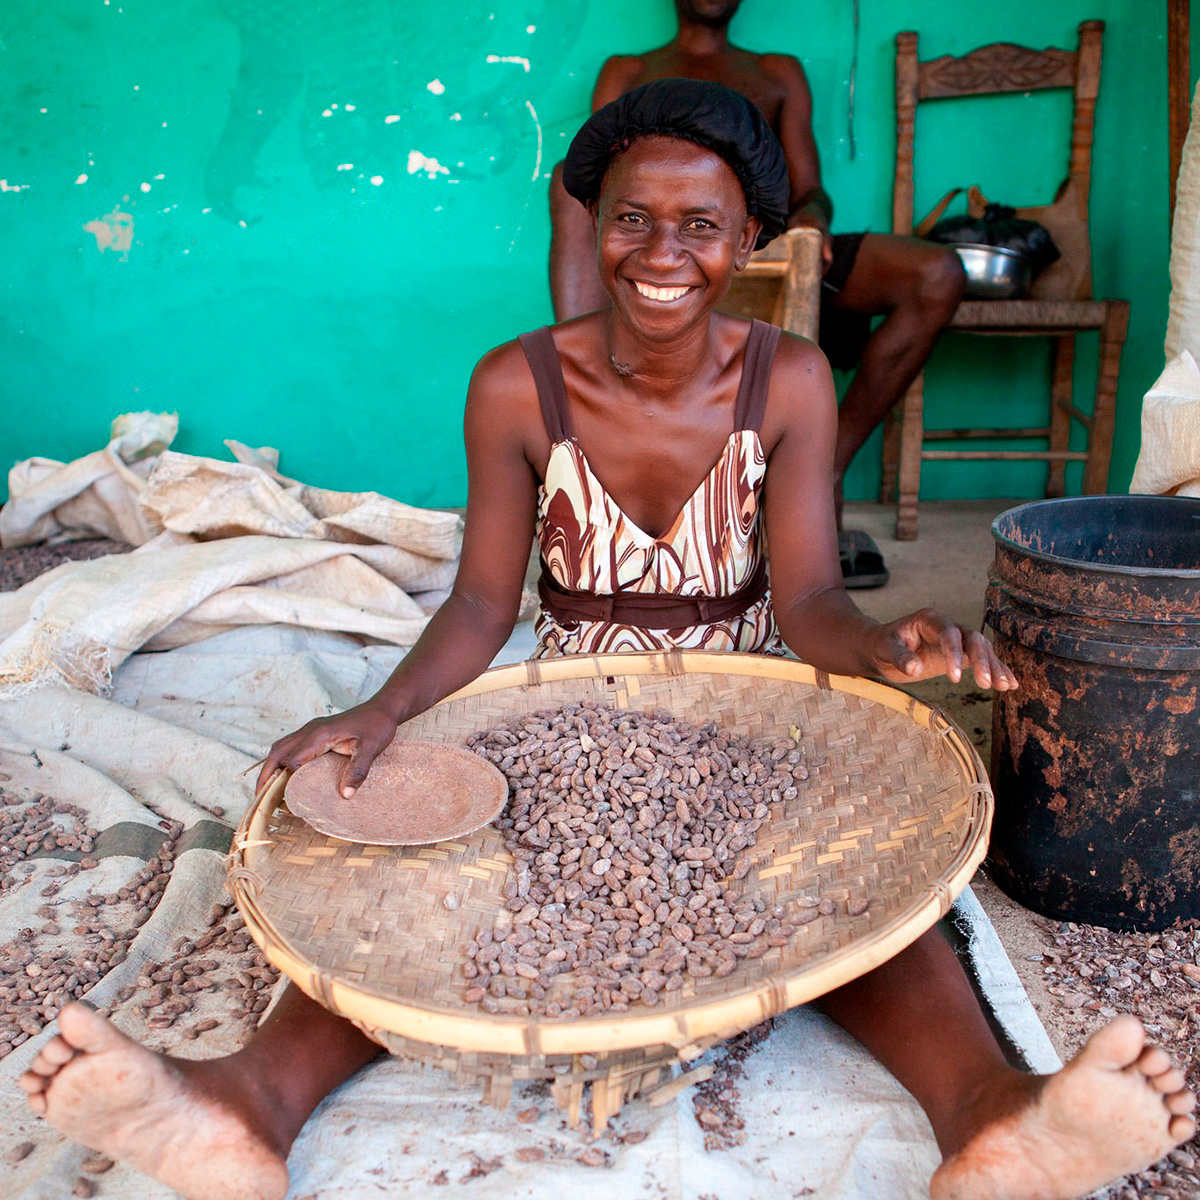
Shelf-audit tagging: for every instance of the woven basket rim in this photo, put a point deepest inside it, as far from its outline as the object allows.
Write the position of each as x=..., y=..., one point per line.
x=747, y=1005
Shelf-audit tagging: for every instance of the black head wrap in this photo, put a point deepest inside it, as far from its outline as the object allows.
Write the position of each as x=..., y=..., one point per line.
x=708, y=114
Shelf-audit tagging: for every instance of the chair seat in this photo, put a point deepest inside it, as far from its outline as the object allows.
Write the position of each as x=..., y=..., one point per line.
x=1030, y=316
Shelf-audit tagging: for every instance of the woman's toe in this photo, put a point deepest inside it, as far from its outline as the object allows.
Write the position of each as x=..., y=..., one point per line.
x=1180, y=1103
x=1153, y=1061
x=1182, y=1129
x=1169, y=1081
x=53, y=1055
x=32, y=1083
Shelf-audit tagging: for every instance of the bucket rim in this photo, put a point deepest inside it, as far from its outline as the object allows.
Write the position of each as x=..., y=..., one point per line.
x=1186, y=573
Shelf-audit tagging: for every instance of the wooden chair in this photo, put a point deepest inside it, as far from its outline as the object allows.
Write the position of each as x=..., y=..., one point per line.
x=782, y=284
x=1004, y=67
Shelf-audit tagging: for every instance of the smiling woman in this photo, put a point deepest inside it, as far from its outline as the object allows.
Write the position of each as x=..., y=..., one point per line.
x=651, y=446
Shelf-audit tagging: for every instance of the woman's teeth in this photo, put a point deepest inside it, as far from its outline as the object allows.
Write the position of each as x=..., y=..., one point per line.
x=664, y=295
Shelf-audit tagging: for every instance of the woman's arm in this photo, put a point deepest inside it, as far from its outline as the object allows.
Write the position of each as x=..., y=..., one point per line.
x=815, y=614
x=464, y=634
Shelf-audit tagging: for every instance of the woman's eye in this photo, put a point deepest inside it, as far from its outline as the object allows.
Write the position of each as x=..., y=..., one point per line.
x=700, y=224
x=631, y=218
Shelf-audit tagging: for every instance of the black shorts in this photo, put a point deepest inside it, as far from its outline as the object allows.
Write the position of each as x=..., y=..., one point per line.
x=841, y=334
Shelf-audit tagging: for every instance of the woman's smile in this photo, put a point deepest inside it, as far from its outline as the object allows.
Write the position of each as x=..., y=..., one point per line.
x=662, y=295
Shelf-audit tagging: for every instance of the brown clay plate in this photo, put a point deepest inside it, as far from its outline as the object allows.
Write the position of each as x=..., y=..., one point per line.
x=416, y=793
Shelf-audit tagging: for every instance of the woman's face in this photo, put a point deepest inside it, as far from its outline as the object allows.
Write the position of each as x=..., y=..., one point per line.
x=671, y=229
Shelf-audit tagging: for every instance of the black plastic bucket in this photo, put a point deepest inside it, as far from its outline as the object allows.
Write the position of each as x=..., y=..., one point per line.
x=1095, y=604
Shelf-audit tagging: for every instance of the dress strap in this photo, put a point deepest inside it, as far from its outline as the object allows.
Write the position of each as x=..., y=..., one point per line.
x=756, y=375
x=547, y=374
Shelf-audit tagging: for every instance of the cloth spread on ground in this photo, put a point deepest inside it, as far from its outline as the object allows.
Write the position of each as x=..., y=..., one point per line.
x=220, y=545
x=160, y=759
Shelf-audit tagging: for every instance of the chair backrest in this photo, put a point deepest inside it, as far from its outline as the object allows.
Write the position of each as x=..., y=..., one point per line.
x=1000, y=67
x=782, y=284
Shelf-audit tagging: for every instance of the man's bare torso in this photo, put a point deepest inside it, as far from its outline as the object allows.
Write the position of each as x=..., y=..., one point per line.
x=755, y=76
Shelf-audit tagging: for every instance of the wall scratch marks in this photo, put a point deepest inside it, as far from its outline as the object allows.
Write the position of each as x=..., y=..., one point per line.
x=515, y=59
x=537, y=164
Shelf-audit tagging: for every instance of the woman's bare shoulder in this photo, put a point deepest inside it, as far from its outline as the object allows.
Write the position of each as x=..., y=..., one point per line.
x=798, y=354
x=801, y=389
x=502, y=400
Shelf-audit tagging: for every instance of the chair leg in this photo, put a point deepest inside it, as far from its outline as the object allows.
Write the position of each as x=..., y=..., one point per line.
x=912, y=428
x=891, y=456
x=1061, y=397
x=1112, y=339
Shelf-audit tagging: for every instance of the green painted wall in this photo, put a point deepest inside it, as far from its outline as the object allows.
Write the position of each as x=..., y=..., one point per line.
x=333, y=209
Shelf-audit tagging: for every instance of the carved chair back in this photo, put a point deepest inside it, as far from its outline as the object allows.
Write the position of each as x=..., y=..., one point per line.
x=1000, y=67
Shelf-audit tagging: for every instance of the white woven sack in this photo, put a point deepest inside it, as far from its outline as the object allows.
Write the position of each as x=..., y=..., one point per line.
x=1169, y=462
x=1183, y=321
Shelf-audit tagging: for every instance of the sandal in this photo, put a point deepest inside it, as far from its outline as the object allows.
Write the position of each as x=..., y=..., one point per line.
x=862, y=563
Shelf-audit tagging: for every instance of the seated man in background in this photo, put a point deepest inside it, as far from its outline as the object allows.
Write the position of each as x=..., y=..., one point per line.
x=913, y=284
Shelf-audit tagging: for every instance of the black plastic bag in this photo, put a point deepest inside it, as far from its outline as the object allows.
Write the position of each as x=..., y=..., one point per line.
x=999, y=226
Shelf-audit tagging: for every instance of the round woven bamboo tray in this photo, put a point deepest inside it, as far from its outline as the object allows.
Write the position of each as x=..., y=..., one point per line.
x=896, y=813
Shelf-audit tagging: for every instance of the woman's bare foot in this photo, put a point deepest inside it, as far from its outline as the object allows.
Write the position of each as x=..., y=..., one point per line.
x=160, y=1115
x=1117, y=1107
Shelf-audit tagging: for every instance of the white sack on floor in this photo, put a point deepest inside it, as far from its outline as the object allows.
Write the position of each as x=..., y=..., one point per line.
x=1169, y=461
x=220, y=545
x=1183, y=320
x=78, y=623
x=822, y=1119
x=94, y=496
x=210, y=499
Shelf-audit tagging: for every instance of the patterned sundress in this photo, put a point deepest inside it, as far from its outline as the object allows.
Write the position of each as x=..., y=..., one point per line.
x=713, y=547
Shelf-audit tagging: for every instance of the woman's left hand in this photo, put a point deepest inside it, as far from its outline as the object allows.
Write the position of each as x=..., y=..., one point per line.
x=926, y=644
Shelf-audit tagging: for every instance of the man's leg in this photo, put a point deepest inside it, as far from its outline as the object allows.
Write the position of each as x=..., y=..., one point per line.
x=215, y=1129
x=917, y=285
x=575, y=286
x=1006, y=1135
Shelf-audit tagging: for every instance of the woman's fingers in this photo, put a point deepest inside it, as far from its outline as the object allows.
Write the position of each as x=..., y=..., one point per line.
x=952, y=650
x=983, y=660
x=926, y=643
x=357, y=769
x=271, y=764
x=294, y=751
x=985, y=664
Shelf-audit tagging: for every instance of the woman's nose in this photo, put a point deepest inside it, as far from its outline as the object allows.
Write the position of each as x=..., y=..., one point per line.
x=662, y=246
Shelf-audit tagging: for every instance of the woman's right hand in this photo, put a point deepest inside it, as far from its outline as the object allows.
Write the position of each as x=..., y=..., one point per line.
x=360, y=733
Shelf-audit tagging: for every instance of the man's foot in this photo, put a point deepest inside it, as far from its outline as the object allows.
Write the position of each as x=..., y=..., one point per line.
x=1117, y=1107
x=102, y=1089
x=862, y=563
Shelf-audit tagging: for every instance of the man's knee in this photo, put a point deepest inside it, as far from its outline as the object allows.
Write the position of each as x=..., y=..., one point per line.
x=941, y=281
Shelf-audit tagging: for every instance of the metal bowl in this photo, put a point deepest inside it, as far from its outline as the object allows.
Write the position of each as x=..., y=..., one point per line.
x=994, y=273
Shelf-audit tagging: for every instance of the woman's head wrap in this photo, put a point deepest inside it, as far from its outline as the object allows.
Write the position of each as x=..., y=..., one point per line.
x=708, y=114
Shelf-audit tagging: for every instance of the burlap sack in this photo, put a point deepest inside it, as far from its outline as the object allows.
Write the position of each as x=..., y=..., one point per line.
x=94, y=496
x=1183, y=321
x=1169, y=462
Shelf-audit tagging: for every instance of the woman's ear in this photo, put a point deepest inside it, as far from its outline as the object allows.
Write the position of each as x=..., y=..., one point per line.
x=746, y=243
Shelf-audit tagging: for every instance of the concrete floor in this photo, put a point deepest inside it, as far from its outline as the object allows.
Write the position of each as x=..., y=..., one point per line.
x=945, y=568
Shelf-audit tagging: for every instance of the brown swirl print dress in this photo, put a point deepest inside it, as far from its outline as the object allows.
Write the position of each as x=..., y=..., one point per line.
x=711, y=558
